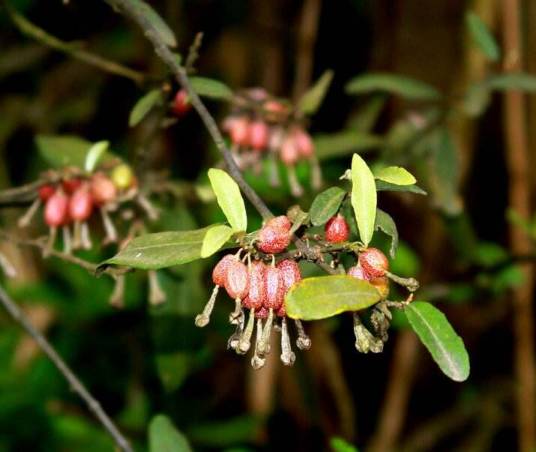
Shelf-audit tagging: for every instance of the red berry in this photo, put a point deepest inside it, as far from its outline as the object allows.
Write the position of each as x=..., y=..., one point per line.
x=290, y=273
x=257, y=288
x=337, y=229
x=258, y=135
x=374, y=262
x=357, y=272
x=56, y=209
x=382, y=286
x=303, y=142
x=281, y=222
x=289, y=151
x=81, y=204
x=273, y=238
x=238, y=128
x=236, y=280
x=275, y=293
x=219, y=273
x=46, y=191
x=71, y=185
x=103, y=189
x=261, y=313
x=181, y=104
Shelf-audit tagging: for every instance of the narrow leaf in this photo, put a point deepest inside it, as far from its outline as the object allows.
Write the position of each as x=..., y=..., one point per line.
x=157, y=23
x=386, y=186
x=325, y=205
x=394, y=84
x=206, y=87
x=339, y=444
x=395, y=175
x=386, y=224
x=160, y=250
x=343, y=143
x=144, y=105
x=363, y=198
x=214, y=239
x=514, y=81
x=95, y=155
x=438, y=336
x=482, y=36
x=164, y=437
x=325, y=296
x=312, y=99
x=63, y=150
x=229, y=198
x=366, y=117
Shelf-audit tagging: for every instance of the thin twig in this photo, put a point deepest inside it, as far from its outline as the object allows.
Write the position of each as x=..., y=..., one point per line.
x=76, y=385
x=72, y=49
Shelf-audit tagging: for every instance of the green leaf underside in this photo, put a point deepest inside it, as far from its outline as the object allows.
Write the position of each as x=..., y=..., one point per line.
x=395, y=175
x=160, y=250
x=438, y=336
x=95, y=154
x=325, y=296
x=214, y=239
x=144, y=105
x=386, y=224
x=229, y=198
x=482, y=36
x=63, y=150
x=344, y=143
x=386, y=186
x=164, y=437
x=364, y=198
x=312, y=99
x=394, y=84
x=206, y=87
x=158, y=25
x=325, y=205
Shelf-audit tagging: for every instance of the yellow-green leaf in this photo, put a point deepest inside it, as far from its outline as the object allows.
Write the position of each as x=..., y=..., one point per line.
x=144, y=105
x=364, y=198
x=312, y=99
x=325, y=296
x=482, y=36
x=392, y=83
x=395, y=175
x=229, y=198
x=95, y=155
x=158, y=25
x=207, y=87
x=164, y=436
x=215, y=238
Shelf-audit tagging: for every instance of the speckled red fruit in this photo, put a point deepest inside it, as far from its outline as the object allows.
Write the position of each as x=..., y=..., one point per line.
x=282, y=312
x=71, y=185
x=258, y=135
x=219, y=273
x=57, y=209
x=374, y=262
x=239, y=130
x=46, y=191
x=261, y=313
x=382, y=286
x=274, y=237
x=257, y=287
x=303, y=143
x=337, y=229
x=290, y=273
x=237, y=280
x=275, y=293
x=181, y=104
x=288, y=152
x=81, y=204
x=357, y=272
x=281, y=222
x=102, y=189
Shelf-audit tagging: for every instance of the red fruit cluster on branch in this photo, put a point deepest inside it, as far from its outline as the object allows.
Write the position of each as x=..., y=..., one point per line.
x=372, y=266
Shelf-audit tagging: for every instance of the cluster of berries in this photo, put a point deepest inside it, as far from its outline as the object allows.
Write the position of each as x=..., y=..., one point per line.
x=259, y=288
x=73, y=199
x=260, y=126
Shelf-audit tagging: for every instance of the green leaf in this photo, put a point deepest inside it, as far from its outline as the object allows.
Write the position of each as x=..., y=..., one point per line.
x=160, y=250
x=363, y=198
x=325, y=205
x=386, y=186
x=339, y=444
x=215, y=238
x=228, y=432
x=343, y=143
x=144, y=105
x=482, y=36
x=95, y=155
x=395, y=175
x=395, y=84
x=513, y=81
x=206, y=87
x=63, y=150
x=363, y=121
x=229, y=199
x=438, y=336
x=157, y=23
x=312, y=99
x=325, y=296
x=164, y=437
x=386, y=224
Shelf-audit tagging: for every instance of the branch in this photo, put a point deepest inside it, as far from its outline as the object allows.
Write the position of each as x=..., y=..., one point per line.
x=76, y=385
x=72, y=49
